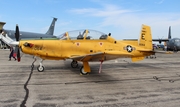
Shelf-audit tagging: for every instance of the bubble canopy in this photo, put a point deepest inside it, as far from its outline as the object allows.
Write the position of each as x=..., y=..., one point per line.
x=84, y=34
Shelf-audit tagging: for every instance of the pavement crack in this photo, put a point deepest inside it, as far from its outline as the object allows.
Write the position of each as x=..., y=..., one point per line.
x=23, y=104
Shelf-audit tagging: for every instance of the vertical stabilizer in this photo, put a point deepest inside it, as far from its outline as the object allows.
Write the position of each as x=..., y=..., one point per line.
x=1, y=25
x=51, y=28
x=169, y=33
x=145, y=39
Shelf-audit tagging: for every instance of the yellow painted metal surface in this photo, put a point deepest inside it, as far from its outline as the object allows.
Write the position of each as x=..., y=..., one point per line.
x=86, y=50
x=2, y=24
x=63, y=49
x=86, y=67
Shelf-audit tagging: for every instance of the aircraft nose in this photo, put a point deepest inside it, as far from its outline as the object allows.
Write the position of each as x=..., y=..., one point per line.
x=177, y=45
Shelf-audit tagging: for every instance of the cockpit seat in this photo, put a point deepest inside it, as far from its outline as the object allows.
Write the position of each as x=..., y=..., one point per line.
x=103, y=37
x=80, y=37
x=88, y=37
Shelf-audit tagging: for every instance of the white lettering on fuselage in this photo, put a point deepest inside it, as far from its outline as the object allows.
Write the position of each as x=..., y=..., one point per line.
x=36, y=47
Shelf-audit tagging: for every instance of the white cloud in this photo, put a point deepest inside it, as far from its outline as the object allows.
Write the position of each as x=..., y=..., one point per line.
x=108, y=10
x=129, y=21
x=160, y=2
x=83, y=11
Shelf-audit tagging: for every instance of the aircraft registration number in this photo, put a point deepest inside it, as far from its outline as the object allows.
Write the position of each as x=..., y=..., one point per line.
x=36, y=47
x=141, y=44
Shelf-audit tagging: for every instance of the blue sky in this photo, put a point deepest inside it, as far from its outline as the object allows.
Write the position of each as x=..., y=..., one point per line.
x=121, y=18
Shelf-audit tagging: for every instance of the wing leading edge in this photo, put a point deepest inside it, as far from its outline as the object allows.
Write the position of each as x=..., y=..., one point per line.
x=100, y=55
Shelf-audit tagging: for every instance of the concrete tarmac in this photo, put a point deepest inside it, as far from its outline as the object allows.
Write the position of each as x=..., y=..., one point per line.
x=147, y=83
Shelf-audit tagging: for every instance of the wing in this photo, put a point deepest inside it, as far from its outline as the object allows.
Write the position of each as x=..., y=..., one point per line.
x=86, y=57
x=119, y=53
x=162, y=40
x=101, y=55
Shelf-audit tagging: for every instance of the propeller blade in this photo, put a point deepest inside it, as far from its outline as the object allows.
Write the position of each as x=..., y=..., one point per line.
x=17, y=33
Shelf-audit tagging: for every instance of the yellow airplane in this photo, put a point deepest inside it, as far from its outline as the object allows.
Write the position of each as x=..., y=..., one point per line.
x=85, y=46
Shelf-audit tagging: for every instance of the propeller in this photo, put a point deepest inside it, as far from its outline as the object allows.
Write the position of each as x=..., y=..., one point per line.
x=17, y=36
x=160, y=40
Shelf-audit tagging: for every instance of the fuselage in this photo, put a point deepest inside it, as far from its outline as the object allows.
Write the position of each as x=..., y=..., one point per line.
x=90, y=45
x=173, y=44
x=27, y=35
x=63, y=49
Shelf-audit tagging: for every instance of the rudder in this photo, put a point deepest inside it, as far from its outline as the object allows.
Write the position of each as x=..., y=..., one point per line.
x=169, y=33
x=145, y=39
x=51, y=27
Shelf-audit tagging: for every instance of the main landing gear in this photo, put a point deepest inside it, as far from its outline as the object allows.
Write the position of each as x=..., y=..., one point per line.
x=74, y=64
x=85, y=69
x=82, y=71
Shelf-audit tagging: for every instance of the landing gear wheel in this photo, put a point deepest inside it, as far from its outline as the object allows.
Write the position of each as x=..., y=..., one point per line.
x=40, y=68
x=74, y=64
x=82, y=71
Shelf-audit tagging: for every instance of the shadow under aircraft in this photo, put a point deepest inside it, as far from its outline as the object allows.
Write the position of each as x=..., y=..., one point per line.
x=173, y=44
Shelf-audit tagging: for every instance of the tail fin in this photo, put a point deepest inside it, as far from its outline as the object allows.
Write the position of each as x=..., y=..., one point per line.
x=169, y=33
x=145, y=39
x=1, y=25
x=51, y=27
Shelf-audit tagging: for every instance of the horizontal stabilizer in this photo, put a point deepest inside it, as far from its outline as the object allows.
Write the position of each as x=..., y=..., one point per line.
x=145, y=50
x=163, y=52
x=134, y=59
x=155, y=51
x=130, y=39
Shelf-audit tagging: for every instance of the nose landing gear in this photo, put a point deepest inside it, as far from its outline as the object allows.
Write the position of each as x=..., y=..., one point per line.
x=40, y=68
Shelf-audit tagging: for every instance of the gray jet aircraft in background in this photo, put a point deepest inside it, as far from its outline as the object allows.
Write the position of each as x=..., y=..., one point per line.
x=172, y=44
x=30, y=35
x=26, y=35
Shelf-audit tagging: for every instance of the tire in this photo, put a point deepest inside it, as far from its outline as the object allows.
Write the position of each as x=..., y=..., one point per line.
x=82, y=71
x=40, y=69
x=74, y=64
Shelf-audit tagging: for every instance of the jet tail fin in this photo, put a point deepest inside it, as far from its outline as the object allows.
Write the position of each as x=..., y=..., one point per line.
x=169, y=33
x=51, y=27
x=145, y=40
